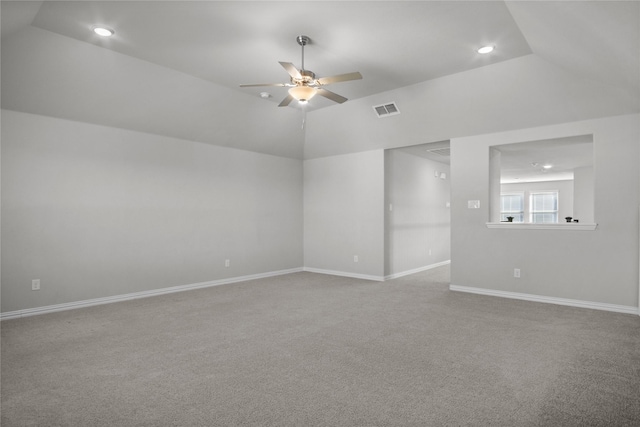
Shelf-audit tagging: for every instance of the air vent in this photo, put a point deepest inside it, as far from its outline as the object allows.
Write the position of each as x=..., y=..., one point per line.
x=446, y=151
x=386, y=110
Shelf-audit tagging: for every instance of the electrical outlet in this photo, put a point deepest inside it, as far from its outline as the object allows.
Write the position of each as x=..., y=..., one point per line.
x=227, y=263
x=516, y=273
x=355, y=258
x=35, y=285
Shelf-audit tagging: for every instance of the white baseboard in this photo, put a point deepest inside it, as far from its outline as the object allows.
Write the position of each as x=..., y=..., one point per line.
x=344, y=274
x=417, y=270
x=145, y=294
x=136, y=295
x=550, y=300
x=375, y=278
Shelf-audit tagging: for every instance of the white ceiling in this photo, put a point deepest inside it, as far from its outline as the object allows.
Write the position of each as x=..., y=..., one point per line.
x=174, y=68
x=524, y=161
x=229, y=43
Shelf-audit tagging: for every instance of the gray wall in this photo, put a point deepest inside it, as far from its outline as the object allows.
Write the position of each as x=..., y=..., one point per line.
x=599, y=266
x=95, y=211
x=344, y=214
x=516, y=94
x=583, y=194
x=418, y=227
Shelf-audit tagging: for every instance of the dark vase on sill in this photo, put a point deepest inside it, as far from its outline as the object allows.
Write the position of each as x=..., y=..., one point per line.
x=509, y=219
x=568, y=218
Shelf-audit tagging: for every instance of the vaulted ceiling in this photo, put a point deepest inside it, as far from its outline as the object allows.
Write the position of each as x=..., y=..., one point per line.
x=174, y=68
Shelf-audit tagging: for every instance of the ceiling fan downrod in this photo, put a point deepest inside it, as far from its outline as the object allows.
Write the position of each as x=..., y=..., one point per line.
x=303, y=41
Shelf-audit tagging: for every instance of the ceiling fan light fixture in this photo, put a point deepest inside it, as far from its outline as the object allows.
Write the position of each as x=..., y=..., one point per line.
x=302, y=93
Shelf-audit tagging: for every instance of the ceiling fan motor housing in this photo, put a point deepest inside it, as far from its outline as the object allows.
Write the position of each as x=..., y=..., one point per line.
x=303, y=40
x=308, y=78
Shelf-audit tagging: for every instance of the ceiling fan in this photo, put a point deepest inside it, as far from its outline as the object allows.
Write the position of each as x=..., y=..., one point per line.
x=305, y=85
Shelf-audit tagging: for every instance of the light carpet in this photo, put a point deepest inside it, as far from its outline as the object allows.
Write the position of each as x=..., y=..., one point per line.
x=307, y=349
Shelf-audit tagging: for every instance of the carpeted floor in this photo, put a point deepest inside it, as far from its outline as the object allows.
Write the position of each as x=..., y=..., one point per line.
x=314, y=350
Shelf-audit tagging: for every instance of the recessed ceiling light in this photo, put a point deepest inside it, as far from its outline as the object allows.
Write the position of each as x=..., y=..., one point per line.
x=265, y=95
x=547, y=166
x=486, y=49
x=103, y=31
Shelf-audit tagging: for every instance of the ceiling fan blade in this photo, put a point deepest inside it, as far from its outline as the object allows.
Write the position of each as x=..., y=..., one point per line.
x=264, y=84
x=340, y=78
x=291, y=69
x=332, y=96
x=286, y=101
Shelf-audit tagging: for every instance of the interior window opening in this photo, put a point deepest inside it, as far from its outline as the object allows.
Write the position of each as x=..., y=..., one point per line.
x=543, y=182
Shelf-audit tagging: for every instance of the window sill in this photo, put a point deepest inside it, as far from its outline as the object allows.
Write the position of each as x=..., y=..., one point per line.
x=573, y=226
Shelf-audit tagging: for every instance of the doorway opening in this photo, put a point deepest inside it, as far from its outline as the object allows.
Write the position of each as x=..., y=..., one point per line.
x=417, y=208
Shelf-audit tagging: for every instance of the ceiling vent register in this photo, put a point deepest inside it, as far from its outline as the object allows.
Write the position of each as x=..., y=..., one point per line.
x=386, y=110
x=445, y=151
